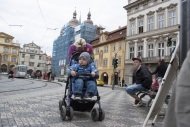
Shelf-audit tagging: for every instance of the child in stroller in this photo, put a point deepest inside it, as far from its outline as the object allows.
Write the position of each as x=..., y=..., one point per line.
x=81, y=83
x=85, y=66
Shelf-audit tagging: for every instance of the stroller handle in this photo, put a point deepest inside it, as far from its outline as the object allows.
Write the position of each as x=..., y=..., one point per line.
x=86, y=75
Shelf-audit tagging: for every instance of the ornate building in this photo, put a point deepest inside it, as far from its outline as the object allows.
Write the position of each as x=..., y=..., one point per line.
x=150, y=24
x=106, y=47
x=32, y=56
x=71, y=31
x=9, y=52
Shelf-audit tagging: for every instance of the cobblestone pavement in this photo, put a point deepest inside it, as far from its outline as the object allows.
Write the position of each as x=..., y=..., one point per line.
x=40, y=109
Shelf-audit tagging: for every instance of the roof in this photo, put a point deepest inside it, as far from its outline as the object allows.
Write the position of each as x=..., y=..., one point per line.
x=114, y=35
x=2, y=34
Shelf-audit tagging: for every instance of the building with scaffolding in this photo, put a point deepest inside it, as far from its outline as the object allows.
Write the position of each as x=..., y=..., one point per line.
x=71, y=31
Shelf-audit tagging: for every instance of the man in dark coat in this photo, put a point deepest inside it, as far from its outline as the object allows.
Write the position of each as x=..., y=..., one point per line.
x=161, y=68
x=142, y=80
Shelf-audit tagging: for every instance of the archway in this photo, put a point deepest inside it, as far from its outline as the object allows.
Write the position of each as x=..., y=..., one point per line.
x=29, y=71
x=4, y=68
x=38, y=73
x=104, y=77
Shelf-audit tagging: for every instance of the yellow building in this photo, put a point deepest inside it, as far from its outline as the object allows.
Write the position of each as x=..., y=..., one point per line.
x=105, y=47
x=9, y=52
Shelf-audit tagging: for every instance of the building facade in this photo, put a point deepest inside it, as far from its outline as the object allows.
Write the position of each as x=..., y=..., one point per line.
x=106, y=47
x=150, y=24
x=32, y=56
x=71, y=31
x=9, y=52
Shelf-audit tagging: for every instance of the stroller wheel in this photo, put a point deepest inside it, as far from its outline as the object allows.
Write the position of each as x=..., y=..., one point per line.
x=70, y=113
x=60, y=104
x=101, y=114
x=95, y=114
x=63, y=112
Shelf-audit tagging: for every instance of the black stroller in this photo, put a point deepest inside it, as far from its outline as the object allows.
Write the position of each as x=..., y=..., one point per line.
x=68, y=105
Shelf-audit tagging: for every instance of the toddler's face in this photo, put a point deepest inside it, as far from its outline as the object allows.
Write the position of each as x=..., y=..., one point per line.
x=83, y=61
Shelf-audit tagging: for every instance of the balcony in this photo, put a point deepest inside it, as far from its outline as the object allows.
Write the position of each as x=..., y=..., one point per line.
x=150, y=59
x=155, y=59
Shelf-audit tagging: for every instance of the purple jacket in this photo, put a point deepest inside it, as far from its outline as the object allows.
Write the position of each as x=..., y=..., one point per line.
x=72, y=49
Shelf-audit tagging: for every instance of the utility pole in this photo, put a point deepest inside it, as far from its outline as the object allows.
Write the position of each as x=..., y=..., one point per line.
x=184, y=30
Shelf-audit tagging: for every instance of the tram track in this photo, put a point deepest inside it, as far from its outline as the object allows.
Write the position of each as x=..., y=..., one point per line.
x=23, y=89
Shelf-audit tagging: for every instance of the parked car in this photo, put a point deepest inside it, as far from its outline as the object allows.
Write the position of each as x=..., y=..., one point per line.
x=100, y=82
x=62, y=78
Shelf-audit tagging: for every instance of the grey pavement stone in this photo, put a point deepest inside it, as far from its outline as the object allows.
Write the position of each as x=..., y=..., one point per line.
x=40, y=109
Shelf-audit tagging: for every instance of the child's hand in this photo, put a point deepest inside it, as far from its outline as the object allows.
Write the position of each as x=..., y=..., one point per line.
x=93, y=74
x=73, y=73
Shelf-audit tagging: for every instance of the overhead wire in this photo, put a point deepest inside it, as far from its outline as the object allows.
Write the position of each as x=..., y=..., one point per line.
x=41, y=13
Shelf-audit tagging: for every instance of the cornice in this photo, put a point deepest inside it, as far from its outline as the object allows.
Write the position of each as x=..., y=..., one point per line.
x=149, y=39
x=140, y=40
x=171, y=6
x=132, y=19
x=156, y=4
x=140, y=16
x=160, y=9
x=150, y=13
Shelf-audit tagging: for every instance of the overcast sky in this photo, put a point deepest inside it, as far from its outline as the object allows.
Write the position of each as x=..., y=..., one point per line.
x=39, y=17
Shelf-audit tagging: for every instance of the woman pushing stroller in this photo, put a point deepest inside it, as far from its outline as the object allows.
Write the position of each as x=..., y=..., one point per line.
x=84, y=66
x=81, y=83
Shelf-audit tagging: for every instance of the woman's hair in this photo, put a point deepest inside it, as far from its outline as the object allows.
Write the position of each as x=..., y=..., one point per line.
x=80, y=43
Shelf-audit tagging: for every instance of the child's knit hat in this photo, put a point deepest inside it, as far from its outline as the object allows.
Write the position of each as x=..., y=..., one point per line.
x=86, y=56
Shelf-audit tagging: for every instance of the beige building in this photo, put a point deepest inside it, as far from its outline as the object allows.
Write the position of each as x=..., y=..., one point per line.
x=32, y=56
x=106, y=46
x=9, y=52
x=150, y=24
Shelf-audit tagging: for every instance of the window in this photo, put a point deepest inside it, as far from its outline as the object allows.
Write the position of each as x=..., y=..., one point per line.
x=140, y=51
x=32, y=56
x=105, y=49
x=105, y=62
x=96, y=63
x=160, y=49
x=22, y=62
x=31, y=64
x=114, y=47
x=150, y=50
x=161, y=21
x=23, y=55
x=119, y=60
x=132, y=28
x=119, y=46
x=96, y=50
x=6, y=50
x=150, y=25
x=14, y=51
x=5, y=58
x=140, y=25
x=172, y=18
x=40, y=57
x=32, y=51
x=13, y=59
x=131, y=52
x=172, y=47
x=7, y=40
